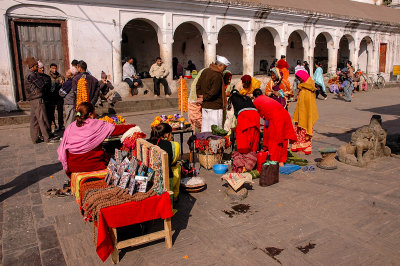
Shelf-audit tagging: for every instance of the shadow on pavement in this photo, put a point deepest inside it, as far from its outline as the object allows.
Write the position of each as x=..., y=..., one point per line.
x=28, y=178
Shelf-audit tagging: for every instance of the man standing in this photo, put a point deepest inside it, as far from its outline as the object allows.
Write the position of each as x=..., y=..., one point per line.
x=57, y=80
x=34, y=85
x=129, y=76
x=107, y=92
x=69, y=96
x=159, y=72
x=93, y=83
x=211, y=86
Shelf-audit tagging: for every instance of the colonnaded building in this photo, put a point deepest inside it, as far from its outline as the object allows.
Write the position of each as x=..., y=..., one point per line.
x=250, y=33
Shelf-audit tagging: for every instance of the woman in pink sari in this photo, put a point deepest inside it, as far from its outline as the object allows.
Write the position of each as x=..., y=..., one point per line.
x=81, y=149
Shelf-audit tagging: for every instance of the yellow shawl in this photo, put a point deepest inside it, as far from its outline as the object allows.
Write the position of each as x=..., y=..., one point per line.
x=306, y=113
x=255, y=84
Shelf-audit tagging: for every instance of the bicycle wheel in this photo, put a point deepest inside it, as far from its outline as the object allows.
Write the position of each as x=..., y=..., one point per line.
x=371, y=83
x=380, y=82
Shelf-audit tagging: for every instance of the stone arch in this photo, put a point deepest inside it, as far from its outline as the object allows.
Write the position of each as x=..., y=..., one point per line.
x=322, y=43
x=189, y=40
x=141, y=39
x=39, y=11
x=298, y=44
x=267, y=40
x=346, y=47
x=365, y=54
x=231, y=38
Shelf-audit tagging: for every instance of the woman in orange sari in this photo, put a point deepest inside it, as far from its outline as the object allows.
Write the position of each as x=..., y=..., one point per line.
x=278, y=88
x=306, y=114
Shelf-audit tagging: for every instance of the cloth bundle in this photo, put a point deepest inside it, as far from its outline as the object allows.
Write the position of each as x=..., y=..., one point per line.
x=243, y=162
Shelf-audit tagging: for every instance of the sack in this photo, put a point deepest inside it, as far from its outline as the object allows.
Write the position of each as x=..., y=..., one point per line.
x=269, y=174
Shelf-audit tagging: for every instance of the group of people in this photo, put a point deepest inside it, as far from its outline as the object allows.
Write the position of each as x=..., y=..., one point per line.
x=48, y=92
x=212, y=100
x=158, y=72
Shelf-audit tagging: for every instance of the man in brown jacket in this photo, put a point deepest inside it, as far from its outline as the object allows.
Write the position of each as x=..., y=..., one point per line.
x=34, y=85
x=210, y=85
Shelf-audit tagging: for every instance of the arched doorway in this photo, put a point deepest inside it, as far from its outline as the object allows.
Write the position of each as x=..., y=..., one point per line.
x=230, y=46
x=365, y=55
x=321, y=51
x=346, y=44
x=294, y=50
x=264, y=51
x=188, y=45
x=140, y=40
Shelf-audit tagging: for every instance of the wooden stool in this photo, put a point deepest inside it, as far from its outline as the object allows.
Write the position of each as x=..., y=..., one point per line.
x=328, y=161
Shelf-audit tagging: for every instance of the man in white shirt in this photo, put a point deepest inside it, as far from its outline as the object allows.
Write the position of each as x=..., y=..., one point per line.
x=159, y=72
x=129, y=76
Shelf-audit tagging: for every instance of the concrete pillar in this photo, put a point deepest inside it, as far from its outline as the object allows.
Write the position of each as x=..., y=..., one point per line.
x=116, y=62
x=248, y=58
x=210, y=50
x=332, y=58
x=309, y=57
x=354, y=59
x=166, y=55
x=281, y=49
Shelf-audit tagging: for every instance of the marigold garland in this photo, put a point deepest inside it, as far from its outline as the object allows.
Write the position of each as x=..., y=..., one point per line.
x=183, y=95
x=82, y=91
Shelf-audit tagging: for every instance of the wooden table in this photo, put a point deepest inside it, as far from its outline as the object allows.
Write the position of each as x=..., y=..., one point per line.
x=181, y=132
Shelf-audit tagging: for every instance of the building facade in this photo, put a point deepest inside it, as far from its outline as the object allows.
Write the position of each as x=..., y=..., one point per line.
x=249, y=34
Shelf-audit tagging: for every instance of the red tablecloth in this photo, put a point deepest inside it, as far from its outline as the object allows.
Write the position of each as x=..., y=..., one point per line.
x=155, y=207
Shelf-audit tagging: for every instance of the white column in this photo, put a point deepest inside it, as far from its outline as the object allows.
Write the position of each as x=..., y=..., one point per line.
x=210, y=50
x=332, y=58
x=309, y=57
x=281, y=49
x=166, y=55
x=248, y=58
x=116, y=61
x=354, y=59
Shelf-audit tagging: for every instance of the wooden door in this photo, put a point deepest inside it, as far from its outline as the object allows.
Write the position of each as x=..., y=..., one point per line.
x=42, y=39
x=382, y=57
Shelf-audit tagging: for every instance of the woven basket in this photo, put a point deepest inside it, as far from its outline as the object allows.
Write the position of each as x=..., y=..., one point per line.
x=208, y=160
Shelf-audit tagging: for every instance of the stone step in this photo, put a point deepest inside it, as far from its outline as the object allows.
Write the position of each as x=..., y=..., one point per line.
x=134, y=104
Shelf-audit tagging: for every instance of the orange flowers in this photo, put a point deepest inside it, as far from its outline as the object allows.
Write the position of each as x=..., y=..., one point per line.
x=82, y=91
x=183, y=95
x=116, y=120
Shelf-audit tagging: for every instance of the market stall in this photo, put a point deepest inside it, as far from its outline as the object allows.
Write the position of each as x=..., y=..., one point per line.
x=133, y=189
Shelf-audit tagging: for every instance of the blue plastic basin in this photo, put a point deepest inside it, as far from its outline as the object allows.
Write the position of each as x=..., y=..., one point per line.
x=220, y=168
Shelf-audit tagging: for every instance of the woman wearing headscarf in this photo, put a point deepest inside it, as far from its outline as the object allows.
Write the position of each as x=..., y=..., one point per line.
x=277, y=87
x=319, y=81
x=247, y=85
x=306, y=113
x=278, y=128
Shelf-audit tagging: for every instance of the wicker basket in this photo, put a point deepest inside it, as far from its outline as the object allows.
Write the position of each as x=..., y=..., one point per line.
x=208, y=160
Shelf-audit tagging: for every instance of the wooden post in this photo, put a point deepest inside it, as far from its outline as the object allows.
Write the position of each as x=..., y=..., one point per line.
x=168, y=233
x=114, y=239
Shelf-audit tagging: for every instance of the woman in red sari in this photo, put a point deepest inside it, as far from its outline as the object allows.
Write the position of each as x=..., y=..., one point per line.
x=278, y=129
x=81, y=147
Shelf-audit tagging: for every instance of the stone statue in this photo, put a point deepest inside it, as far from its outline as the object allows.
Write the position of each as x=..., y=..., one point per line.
x=367, y=143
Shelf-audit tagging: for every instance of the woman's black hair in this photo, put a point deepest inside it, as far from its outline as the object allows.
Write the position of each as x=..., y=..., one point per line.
x=83, y=112
x=317, y=63
x=257, y=92
x=350, y=63
x=238, y=101
x=159, y=131
x=298, y=62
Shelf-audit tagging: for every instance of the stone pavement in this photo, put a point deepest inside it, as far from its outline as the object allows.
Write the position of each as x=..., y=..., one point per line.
x=352, y=215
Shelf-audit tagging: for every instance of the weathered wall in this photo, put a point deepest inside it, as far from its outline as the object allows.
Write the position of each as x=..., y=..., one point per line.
x=295, y=50
x=363, y=56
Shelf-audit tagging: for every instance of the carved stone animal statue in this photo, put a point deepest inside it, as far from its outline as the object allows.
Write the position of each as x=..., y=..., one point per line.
x=367, y=143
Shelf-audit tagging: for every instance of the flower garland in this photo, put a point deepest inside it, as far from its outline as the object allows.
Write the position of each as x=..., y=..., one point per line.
x=183, y=95
x=116, y=120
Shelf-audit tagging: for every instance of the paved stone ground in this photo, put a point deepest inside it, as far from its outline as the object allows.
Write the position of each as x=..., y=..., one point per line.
x=352, y=215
